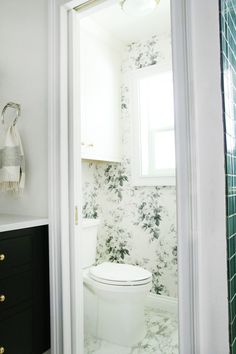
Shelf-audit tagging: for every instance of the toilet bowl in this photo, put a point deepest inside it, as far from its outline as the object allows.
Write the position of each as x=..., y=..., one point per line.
x=114, y=302
x=114, y=295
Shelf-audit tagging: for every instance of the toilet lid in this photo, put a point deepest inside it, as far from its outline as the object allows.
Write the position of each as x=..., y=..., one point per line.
x=120, y=274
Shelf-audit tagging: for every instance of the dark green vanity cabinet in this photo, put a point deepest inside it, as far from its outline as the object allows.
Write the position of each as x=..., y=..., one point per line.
x=24, y=291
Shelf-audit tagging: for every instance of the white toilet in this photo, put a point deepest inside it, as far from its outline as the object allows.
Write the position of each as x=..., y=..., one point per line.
x=114, y=295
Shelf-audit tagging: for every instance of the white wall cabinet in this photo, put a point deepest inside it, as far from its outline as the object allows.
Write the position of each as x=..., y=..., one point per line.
x=100, y=109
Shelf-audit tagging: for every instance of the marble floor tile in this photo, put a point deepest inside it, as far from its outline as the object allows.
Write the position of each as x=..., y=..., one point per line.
x=161, y=337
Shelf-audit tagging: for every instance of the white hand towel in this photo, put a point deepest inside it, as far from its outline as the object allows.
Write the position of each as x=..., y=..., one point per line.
x=12, y=161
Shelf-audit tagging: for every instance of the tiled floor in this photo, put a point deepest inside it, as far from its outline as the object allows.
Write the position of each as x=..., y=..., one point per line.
x=161, y=338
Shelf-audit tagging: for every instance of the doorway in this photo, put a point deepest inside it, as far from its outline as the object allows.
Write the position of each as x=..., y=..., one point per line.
x=76, y=201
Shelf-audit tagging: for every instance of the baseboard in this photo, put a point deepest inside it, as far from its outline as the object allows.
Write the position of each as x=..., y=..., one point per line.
x=47, y=352
x=163, y=303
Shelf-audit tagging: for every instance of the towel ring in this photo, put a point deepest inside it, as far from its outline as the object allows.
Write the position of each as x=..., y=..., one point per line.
x=15, y=106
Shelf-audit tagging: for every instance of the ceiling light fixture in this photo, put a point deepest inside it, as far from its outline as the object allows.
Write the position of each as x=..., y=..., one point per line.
x=138, y=7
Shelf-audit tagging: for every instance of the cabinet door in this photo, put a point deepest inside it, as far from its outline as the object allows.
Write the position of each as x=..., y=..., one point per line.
x=15, y=289
x=15, y=249
x=99, y=97
x=24, y=283
x=16, y=333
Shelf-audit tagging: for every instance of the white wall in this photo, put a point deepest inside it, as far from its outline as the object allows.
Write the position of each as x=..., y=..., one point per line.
x=213, y=314
x=23, y=79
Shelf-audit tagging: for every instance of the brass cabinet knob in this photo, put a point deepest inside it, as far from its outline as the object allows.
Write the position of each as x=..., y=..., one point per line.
x=2, y=257
x=90, y=145
x=2, y=350
x=2, y=299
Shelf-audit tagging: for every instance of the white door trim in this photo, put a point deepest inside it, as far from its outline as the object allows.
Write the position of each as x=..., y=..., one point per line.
x=63, y=307
x=54, y=185
x=186, y=183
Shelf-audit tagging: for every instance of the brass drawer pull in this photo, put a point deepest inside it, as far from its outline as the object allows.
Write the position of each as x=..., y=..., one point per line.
x=2, y=299
x=2, y=350
x=2, y=258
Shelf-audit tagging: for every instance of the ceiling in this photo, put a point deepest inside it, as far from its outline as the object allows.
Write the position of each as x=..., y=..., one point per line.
x=128, y=28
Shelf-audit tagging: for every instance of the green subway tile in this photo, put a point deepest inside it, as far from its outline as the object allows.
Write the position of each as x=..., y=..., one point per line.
x=230, y=205
x=233, y=329
x=229, y=208
x=233, y=310
x=231, y=246
x=227, y=231
x=231, y=33
x=234, y=162
x=233, y=287
x=225, y=48
x=229, y=183
x=229, y=228
x=228, y=67
x=231, y=54
x=232, y=24
x=232, y=267
x=233, y=13
x=234, y=223
x=229, y=161
x=232, y=291
x=233, y=348
x=232, y=210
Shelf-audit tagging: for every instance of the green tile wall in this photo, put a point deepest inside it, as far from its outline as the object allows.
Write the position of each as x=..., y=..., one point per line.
x=228, y=66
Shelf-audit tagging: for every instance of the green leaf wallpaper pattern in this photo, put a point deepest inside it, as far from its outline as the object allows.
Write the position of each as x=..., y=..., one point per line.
x=138, y=224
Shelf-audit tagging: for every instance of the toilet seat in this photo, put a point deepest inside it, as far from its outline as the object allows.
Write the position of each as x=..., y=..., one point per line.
x=120, y=274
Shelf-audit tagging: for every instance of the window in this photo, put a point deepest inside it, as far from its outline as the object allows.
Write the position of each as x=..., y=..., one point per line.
x=153, y=126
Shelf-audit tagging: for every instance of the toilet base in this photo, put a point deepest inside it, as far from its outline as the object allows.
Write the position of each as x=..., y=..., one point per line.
x=116, y=318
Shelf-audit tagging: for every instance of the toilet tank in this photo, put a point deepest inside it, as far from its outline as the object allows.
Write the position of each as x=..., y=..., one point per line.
x=89, y=241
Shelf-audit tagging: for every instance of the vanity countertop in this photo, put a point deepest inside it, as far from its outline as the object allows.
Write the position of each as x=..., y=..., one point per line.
x=15, y=222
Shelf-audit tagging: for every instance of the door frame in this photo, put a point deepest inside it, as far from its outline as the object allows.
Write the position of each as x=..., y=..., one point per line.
x=61, y=205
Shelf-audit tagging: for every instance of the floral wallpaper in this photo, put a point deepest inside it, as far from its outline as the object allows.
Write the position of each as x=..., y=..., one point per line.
x=138, y=224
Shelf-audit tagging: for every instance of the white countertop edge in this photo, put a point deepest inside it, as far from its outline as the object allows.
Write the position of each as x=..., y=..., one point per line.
x=23, y=224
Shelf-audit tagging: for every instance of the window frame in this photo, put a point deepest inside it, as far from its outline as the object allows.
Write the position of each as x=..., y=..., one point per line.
x=165, y=177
